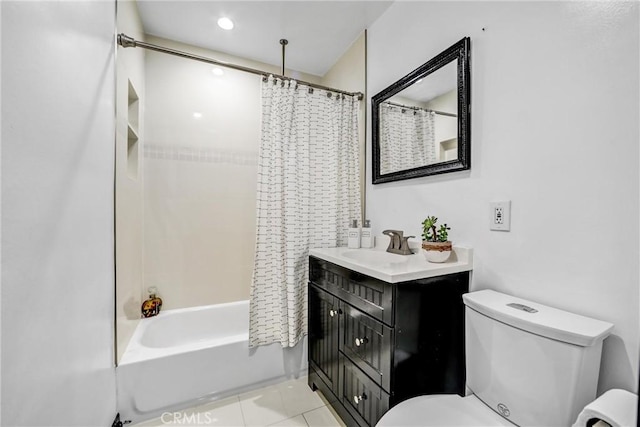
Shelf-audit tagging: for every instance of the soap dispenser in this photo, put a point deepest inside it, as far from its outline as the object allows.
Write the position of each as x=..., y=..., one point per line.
x=152, y=305
x=353, y=241
x=366, y=239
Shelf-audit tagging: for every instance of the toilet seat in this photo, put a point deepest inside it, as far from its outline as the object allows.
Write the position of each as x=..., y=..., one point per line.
x=442, y=410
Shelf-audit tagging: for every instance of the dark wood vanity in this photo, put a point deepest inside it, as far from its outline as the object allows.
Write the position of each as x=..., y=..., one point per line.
x=373, y=344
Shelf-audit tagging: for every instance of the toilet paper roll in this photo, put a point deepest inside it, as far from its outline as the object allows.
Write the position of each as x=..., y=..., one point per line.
x=615, y=407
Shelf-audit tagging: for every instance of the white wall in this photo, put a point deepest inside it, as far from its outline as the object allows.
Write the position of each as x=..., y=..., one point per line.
x=200, y=176
x=554, y=84
x=200, y=180
x=129, y=186
x=57, y=213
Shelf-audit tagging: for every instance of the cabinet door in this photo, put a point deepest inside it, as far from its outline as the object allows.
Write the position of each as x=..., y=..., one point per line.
x=323, y=336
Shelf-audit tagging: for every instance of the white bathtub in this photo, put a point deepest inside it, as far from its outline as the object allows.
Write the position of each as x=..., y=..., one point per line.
x=184, y=357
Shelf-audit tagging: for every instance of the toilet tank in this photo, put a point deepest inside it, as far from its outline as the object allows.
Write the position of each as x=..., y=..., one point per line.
x=535, y=365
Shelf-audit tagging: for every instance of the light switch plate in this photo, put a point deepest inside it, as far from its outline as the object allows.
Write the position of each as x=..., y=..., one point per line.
x=500, y=215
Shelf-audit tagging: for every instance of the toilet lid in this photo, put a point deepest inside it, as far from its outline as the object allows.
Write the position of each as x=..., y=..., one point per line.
x=442, y=410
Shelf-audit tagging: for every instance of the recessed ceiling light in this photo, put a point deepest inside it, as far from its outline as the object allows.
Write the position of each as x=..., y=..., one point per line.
x=197, y=115
x=225, y=23
x=217, y=71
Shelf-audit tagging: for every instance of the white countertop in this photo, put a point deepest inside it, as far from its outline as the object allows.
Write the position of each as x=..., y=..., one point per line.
x=394, y=268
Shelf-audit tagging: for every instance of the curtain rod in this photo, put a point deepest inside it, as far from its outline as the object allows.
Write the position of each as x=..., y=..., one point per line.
x=442, y=113
x=126, y=41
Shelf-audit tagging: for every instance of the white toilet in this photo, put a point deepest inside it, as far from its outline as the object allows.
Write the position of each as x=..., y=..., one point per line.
x=527, y=364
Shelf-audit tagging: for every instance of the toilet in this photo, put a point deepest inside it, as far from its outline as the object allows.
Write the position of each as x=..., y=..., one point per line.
x=527, y=364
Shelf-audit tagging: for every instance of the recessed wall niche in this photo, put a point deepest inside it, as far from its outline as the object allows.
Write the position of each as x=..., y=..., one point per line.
x=132, y=132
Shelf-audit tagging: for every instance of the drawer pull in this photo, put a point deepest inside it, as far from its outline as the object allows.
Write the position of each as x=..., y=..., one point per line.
x=360, y=341
x=358, y=399
x=332, y=313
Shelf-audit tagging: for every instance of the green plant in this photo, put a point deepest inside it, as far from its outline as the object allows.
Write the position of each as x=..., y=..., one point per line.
x=431, y=234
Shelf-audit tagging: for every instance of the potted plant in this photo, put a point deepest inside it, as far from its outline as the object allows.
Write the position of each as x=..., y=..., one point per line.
x=435, y=244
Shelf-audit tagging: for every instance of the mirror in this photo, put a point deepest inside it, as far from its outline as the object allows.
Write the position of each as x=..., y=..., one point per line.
x=421, y=123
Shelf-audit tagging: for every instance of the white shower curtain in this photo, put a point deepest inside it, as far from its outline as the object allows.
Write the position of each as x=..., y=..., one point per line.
x=308, y=191
x=407, y=138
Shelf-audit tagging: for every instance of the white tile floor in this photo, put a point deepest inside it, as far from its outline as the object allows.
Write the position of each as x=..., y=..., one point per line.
x=290, y=403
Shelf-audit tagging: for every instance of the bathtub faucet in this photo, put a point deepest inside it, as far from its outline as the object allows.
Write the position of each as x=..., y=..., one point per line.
x=398, y=243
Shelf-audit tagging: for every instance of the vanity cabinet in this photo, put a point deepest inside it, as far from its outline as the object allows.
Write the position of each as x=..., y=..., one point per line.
x=373, y=344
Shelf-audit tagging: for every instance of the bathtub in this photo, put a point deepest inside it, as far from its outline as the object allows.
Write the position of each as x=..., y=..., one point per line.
x=185, y=357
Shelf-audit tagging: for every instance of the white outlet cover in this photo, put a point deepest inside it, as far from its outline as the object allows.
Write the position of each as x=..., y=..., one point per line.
x=500, y=215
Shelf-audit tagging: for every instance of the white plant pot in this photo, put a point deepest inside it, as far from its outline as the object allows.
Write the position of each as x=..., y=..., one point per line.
x=436, y=251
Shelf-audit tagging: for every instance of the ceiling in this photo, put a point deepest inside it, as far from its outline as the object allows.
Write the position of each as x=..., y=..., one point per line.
x=319, y=32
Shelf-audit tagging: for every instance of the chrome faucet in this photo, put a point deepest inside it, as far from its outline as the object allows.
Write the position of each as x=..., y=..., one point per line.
x=398, y=243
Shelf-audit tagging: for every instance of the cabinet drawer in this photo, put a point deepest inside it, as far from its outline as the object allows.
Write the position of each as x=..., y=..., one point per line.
x=368, y=343
x=363, y=399
x=370, y=295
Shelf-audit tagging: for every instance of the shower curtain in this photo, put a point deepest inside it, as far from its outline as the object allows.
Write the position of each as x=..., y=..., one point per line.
x=407, y=138
x=308, y=191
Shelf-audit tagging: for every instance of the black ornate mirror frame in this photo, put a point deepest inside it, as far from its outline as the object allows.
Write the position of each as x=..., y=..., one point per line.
x=461, y=52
